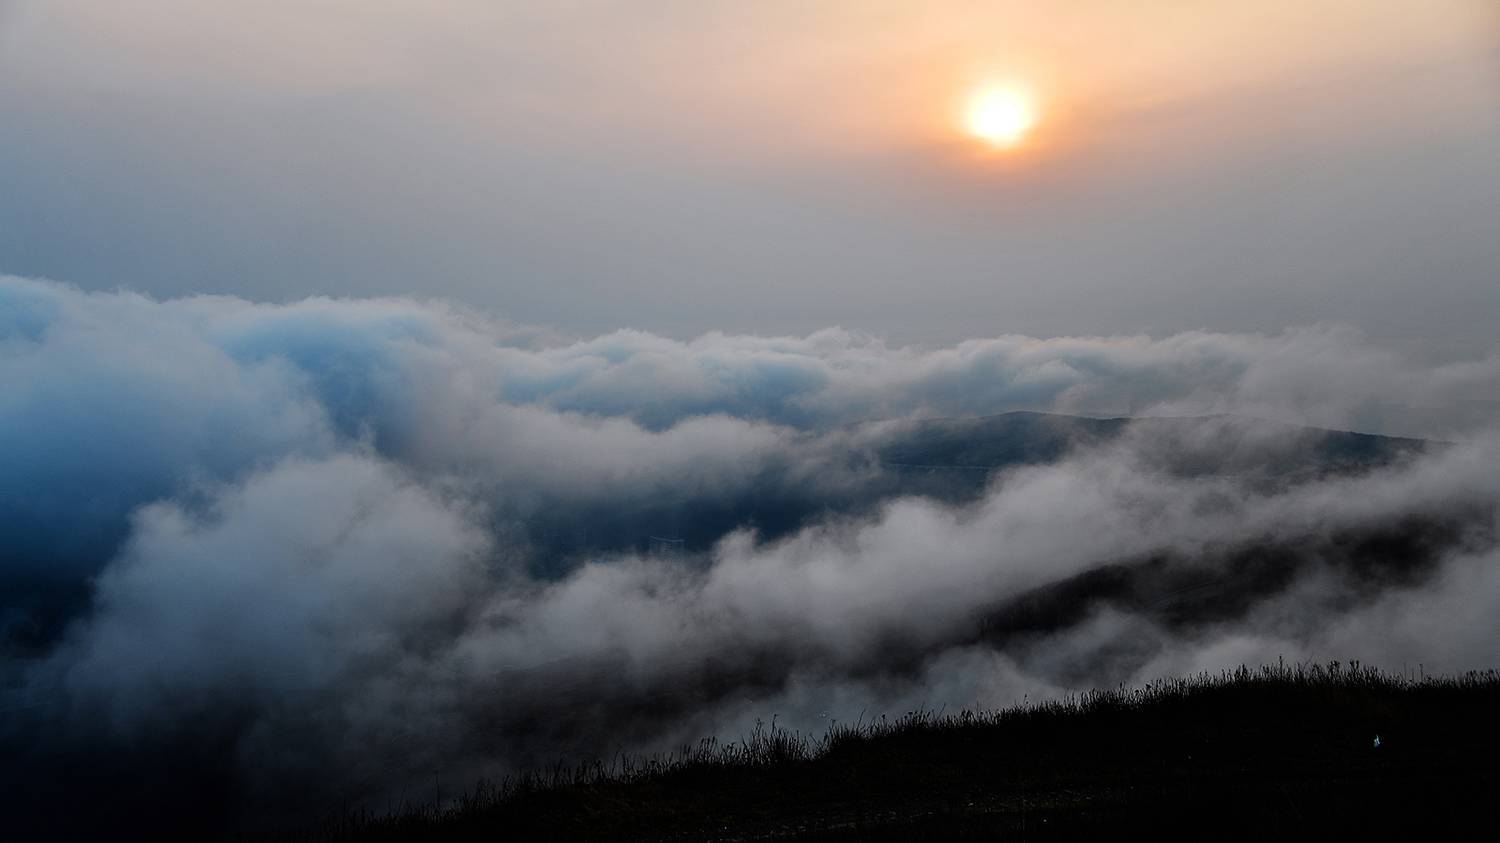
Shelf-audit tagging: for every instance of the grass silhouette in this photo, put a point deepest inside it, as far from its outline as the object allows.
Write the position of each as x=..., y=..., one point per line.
x=1280, y=749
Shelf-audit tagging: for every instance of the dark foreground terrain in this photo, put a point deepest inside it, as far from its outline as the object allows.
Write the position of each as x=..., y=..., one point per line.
x=1281, y=750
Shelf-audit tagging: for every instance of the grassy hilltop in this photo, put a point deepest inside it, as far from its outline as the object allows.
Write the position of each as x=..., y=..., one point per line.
x=1285, y=750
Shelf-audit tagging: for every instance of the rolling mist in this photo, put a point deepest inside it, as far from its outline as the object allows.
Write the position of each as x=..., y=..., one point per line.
x=280, y=557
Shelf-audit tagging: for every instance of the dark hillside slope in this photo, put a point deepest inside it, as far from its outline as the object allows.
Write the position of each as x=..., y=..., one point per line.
x=1241, y=755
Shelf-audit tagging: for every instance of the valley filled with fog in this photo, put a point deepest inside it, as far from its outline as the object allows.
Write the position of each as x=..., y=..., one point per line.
x=326, y=551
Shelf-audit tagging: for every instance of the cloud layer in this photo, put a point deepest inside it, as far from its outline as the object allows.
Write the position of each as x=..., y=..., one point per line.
x=308, y=553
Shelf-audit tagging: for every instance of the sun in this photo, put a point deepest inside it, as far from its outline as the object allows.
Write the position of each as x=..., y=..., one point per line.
x=1001, y=115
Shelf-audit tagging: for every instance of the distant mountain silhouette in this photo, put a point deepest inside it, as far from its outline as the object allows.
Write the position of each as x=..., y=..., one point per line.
x=1202, y=444
x=952, y=460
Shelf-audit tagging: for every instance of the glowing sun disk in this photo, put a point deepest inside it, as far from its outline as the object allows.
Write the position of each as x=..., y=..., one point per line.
x=1001, y=116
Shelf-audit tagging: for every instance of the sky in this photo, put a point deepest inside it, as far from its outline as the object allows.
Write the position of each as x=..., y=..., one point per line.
x=771, y=168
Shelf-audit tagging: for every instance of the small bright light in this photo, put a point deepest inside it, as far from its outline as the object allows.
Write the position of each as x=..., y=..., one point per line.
x=1001, y=116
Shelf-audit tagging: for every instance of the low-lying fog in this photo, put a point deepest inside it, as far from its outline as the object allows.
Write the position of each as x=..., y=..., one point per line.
x=320, y=553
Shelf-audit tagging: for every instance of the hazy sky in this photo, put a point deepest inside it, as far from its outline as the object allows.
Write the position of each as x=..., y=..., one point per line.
x=771, y=167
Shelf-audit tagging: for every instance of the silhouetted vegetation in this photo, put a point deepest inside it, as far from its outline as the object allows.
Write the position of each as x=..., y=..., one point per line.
x=1280, y=749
